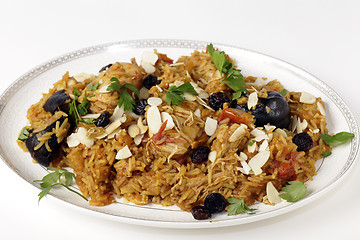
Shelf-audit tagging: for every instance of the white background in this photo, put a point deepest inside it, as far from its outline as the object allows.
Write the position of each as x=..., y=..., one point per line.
x=321, y=37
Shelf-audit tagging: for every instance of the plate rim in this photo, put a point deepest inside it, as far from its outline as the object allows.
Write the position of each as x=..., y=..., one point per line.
x=200, y=45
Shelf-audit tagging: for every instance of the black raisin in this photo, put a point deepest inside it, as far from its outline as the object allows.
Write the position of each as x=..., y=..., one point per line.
x=150, y=81
x=56, y=101
x=200, y=154
x=105, y=67
x=140, y=106
x=200, y=213
x=303, y=141
x=103, y=120
x=215, y=202
x=217, y=100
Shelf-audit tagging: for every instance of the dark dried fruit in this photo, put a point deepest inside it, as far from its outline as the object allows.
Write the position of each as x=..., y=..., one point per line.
x=200, y=213
x=150, y=81
x=42, y=155
x=140, y=106
x=274, y=110
x=217, y=100
x=56, y=101
x=200, y=154
x=105, y=67
x=215, y=202
x=303, y=141
x=103, y=120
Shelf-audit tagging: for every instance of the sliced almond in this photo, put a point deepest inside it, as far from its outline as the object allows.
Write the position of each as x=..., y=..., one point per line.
x=243, y=156
x=281, y=132
x=258, y=161
x=118, y=113
x=203, y=95
x=149, y=68
x=245, y=166
x=189, y=97
x=170, y=122
x=138, y=139
x=252, y=100
x=252, y=147
x=72, y=140
x=133, y=130
x=269, y=128
x=307, y=98
x=123, y=153
x=112, y=126
x=264, y=146
x=149, y=57
x=91, y=115
x=153, y=119
x=112, y=135
x=321, y=109
x=103, y=89
x=154, y=101
x=141, y=125
x=272, y=193
x=197, y=113
x=178, y=83
x=81, y=77
x=210, y=126
x=212, y=156
x=238, y=133
x=82, y=137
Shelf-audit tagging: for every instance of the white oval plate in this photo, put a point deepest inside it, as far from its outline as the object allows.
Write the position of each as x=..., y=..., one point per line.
x=27, y=90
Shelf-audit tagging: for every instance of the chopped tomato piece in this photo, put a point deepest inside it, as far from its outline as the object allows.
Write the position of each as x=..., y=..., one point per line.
x=286, y=170
x=235, y=116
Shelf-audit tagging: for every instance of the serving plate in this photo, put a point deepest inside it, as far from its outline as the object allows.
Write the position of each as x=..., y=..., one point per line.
x=27, y=90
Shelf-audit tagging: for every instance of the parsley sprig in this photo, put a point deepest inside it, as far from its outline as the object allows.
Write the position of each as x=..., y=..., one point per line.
x=24, y=134
x=55, y=179
x=124, y=97
x=293, y=192
x=334, y=140
x=337, y=139
x=175, y=94
x=81, y=109
x=229, y=75
x=238, y=206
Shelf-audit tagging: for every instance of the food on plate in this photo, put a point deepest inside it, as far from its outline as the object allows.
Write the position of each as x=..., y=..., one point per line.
x=194, y=133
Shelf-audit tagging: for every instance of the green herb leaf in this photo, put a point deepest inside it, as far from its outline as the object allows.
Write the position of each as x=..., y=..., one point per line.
x=126, y=100
x=233, y=77
x=114, y=86
x=175, y=94
x=238, y=206
x=24, y=134
x=236, y=95
x=132, y=88
x=91, y=87
x=283, y=92
x=337, y=139
x=54, y=179
x=218, y=58
x=124, y=97
x=295, y=191
x=251, y=143
x=44, y=192
x=76, y=92
x=326, y=154
x=187, y=87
